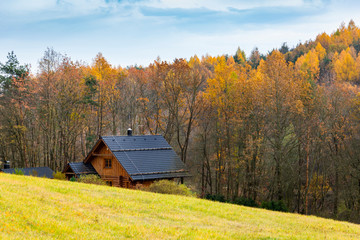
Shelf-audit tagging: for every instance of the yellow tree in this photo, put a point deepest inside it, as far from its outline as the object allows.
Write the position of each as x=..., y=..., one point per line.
x=69, y=111
x=161, y=82
x=47, y=80
x=192, y=98
x=321, y=51
x=324, y=40
x=115, y=91
x=221, y=92
x=240, y=57
x=181, y=94
x=140, y=90
x=358, y=67
x=249, y=134
x=342, y=37
x=229, y=93
x=59, y=88
x=307, y=69
x=148, y=98
x=280, y=96
x=338, y=101
x=352, y=147
x=308, y=66
x=105, y=76
x=345, y=67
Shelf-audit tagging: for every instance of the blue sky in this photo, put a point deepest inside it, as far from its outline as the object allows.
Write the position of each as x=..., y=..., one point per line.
x=137, y=32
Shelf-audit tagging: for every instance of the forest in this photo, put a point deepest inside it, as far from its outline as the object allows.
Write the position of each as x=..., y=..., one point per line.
x=282, y=126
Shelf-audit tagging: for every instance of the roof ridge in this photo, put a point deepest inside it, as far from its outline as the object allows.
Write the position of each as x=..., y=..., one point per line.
x=149, y=135
x=142, y=149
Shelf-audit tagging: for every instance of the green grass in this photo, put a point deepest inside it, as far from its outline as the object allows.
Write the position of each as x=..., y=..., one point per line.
x=37, y=208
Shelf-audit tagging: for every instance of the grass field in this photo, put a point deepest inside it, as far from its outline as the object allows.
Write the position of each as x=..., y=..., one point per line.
x=37, y=208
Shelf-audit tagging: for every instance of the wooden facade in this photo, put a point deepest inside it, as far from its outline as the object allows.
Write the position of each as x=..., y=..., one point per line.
x=109, y=168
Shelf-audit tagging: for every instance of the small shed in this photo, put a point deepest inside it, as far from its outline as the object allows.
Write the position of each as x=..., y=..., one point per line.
x=33, y=171
x=76, y=169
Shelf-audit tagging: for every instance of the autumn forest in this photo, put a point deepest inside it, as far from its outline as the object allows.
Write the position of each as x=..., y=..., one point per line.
x=282, y=126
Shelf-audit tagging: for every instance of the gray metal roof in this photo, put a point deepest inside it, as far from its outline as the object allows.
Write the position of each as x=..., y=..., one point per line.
x=116, y=143
x=80, y=168
x=146, y=157
x=33, y=171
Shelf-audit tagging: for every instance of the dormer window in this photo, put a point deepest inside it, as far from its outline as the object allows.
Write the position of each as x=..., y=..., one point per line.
x=108, y=163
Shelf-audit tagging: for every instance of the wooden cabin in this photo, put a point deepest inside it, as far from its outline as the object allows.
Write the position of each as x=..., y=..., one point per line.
x=126, y=161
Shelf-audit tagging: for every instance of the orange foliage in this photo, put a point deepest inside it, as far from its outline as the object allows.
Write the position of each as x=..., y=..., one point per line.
x=345, y=67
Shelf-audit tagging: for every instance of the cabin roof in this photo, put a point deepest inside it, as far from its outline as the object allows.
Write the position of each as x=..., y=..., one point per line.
x=146, y=157
x=80, y=168
x=144, y=142
x=40, y=171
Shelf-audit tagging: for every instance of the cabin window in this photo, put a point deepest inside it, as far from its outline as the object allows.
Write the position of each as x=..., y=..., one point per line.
x=109, y=183
x=108, y=163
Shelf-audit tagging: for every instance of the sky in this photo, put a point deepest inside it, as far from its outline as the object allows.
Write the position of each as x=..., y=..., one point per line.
x=138, y=32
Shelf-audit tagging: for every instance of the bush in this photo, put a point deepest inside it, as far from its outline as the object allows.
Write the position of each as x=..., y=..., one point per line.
x=215, y=197
x=59, y=175
x=18, y=171
x=349, y=215
x=91, y=178
x=245, y=202
x=275, y=205
x=34, y=173
x=73, y=179
x=170, y=187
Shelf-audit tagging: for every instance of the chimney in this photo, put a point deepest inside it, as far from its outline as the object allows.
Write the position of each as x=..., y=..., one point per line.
x=7, y=165
x=129, y=132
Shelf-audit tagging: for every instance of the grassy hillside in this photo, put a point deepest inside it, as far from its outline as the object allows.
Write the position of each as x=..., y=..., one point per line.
x=36, y=208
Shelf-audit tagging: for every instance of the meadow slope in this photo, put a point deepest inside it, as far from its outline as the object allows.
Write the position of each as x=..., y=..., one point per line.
x=37, y=208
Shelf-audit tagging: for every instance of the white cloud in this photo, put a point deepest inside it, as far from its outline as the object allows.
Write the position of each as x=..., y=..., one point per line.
x=22, y=6
x=26, y=6
x=224, y=5
x=84, y=6
x=126, y=37
x=40, y=10
x=72, y=7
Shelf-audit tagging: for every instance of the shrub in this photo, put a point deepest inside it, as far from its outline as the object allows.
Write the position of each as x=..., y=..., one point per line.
x=34, y=173
x=245, y=202
x=91, y=178
x=170, y=187
x=274, y=205
x=349, y=215
x=18, y=171
x=59, y=175
x=73, y=179
x=215, y=197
